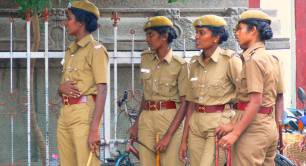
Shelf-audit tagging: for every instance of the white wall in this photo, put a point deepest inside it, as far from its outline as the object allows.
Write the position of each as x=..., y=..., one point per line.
x=283, y=8
x=284, y=15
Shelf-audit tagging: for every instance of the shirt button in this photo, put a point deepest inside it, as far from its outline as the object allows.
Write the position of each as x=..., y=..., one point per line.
x=157, y=67
x=205, y=71
x=72, y=54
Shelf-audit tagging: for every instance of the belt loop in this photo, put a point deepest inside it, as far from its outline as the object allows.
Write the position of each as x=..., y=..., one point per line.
x=228, y=106
x=160, y=105
x=203, y=108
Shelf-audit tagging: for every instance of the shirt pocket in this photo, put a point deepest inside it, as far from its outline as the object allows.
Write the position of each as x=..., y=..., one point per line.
x=78, y=66
x=79, y=74
x=197, y=88
x=216, y=88
x=167, y=86
x=146, y=80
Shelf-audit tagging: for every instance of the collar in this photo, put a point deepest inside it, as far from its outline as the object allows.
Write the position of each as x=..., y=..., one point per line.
x=85, y=40
x=216, y=54
x=251, y=50
x=214, y=57
x=167, y=58
x=82, y=43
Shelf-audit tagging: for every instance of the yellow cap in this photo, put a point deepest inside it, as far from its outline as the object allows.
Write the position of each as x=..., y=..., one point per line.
x=158, y=21
x=255, y=14
x=87, y=6
x=210, y=20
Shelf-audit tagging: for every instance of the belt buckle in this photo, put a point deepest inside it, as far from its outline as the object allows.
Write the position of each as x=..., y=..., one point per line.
x=83, y=99
x=153, y=105
x=66, y=100
x=202, y=108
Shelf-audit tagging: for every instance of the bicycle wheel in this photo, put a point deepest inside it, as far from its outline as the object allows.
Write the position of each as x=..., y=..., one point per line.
x=281, y=160
x=124, y=160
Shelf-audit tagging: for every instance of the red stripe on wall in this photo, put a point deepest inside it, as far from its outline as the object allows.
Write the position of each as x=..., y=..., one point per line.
x=300, y=25
x=254, y=3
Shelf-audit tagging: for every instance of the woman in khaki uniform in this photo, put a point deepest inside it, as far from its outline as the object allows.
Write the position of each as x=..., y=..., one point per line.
x=253, y=133
x=83, y=88
x=213, y=81
x=163, y=76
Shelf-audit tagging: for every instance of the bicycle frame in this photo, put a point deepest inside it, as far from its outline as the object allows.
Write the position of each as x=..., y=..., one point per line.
x=124, y=158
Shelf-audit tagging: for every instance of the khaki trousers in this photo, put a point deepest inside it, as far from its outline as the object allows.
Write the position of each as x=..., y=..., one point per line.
x=152, y=123
x=201, y=142
x=72, y=133
x=258, y=143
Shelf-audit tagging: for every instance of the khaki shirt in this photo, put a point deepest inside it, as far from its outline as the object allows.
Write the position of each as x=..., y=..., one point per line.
x=214, y=83
x=86, y=63
x=260, y=73
x=280, y=72
x=163, y=79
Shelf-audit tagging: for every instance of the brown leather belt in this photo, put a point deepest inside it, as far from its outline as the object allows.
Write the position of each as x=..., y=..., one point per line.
x=263, y=110
x=210, y=108
x=158, y=105
x=70, y=100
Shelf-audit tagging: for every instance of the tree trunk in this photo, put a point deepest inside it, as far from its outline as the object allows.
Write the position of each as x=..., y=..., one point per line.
x=39, y=137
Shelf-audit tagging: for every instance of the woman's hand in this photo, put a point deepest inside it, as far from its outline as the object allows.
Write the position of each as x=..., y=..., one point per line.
x=69, y=89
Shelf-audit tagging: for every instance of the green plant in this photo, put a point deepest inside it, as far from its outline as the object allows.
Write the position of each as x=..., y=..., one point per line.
x=35, y=6
x=172, y=1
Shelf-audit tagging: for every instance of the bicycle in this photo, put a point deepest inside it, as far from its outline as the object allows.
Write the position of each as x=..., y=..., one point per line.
x=126, y=105
x=294, y=121
x=120, y=158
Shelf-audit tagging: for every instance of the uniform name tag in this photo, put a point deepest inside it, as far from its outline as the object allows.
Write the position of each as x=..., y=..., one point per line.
x=194, y=79
x=98, y=46
x=145, y=70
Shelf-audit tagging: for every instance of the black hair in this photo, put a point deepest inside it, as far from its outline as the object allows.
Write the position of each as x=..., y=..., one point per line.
x=89, y=19
x=217, y=31
x=262, y=26
x=163, y=30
